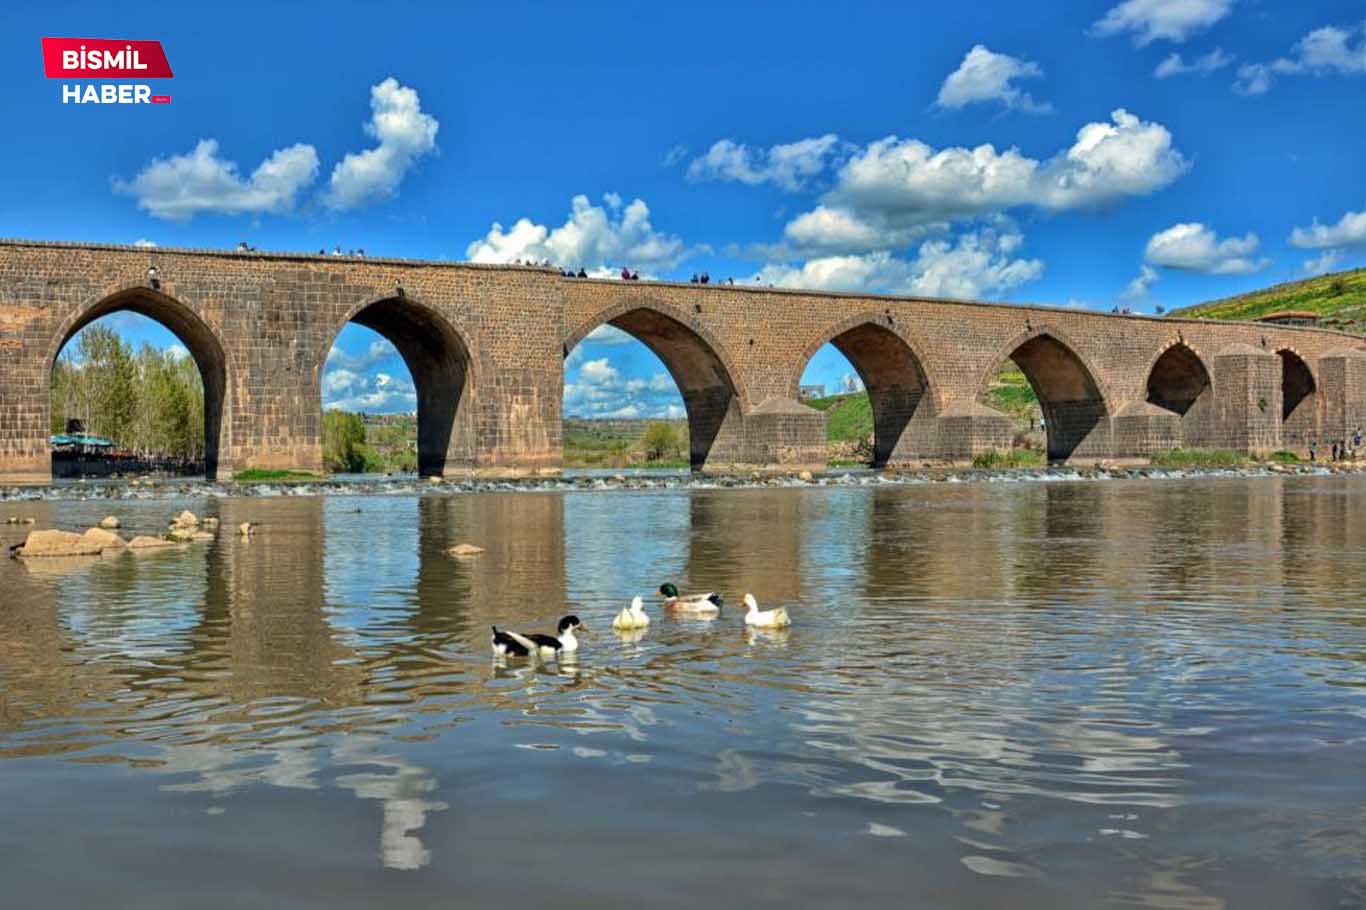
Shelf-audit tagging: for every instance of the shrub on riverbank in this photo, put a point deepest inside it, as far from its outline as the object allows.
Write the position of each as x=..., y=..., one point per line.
x=257, y=475
x=1200, y=458
x=1011, y=458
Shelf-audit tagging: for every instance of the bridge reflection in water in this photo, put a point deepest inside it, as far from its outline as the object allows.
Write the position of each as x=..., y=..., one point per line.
x=1085, y=656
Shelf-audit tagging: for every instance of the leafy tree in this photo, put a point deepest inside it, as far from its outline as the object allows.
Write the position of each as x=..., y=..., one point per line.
x=344, y=446
x=661, y=441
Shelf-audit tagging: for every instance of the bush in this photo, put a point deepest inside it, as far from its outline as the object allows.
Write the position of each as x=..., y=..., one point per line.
x=661, y=442
x=1012, y=458
x=1199, y=458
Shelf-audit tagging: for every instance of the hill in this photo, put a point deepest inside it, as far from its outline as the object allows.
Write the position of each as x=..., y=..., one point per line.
x=1338, y=298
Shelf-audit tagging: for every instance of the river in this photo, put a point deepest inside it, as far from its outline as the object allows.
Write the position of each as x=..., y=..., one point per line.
x=1039, y=695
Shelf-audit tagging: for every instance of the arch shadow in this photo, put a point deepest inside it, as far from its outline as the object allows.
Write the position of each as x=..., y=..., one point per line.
x=443, y=372
x=1076, y=409
x=1179, y=381
x=199, y=339
x=892, y=370
x=1299, y=400
x=698, y=365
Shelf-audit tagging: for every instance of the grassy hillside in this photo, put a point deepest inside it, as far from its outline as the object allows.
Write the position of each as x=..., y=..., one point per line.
x=1011, y=394
x=1339, y=299
x=849, y=418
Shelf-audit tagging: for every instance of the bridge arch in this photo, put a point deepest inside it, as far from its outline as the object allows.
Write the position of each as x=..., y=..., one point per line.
x=699, y=364
x=199, y=338
x=444, y=375
x=1076, y=408
x=892, y=369
x=1299, y=399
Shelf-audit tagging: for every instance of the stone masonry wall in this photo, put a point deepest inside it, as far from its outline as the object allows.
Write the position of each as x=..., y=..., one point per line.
x=486, y=345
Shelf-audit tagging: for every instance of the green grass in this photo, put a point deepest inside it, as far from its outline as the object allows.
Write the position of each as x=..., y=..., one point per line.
x=616, y=444
x=1011, y=393
x=1200, y=458
x=1283, y=457
x=1338, y=298
x=848, y=418
x=258, y=475
x=1012, y=458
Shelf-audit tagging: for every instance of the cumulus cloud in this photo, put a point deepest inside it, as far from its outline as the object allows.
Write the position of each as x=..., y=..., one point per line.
x=181, y=186
x=594, y=236
x=145, y=243
x=377, y=352
x=177, y=352
x=1174, y=65
x=977, y=263
x=893, y=187
x=1323, y=52
x=1350, y=230
x=1147, y=276
x=599, y=390
x=404, y=134
x=675, y=155
x=1161, y=20
x=377, y=393
x=788, y=166
x=988, y=76
x=1323, y=264
x=608, y=334
x=1193, y=247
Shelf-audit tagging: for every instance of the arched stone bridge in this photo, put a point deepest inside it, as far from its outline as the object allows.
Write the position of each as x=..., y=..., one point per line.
x=486, y=348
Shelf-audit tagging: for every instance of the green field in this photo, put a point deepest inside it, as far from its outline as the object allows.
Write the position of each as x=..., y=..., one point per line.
x=1339, y=299
x=848, y=418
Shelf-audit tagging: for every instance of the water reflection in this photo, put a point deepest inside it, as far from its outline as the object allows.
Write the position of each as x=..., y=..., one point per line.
x=1023, y=681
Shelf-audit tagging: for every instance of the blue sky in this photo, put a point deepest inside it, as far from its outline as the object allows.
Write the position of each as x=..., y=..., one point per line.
x=1092, y=154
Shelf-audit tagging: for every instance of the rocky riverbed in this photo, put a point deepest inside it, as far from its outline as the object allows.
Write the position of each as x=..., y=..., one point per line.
x=640, y=480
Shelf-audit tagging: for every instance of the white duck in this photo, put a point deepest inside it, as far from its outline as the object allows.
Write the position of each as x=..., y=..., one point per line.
x=708, y=604
x=633, y=617
x=776, y=618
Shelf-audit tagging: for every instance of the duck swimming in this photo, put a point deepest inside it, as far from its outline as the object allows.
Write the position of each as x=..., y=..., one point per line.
x=776, y=618
x=633, y=617
x=708, y=604
x=517, y=644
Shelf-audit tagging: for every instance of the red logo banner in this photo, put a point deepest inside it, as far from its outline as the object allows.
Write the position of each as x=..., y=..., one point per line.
x=104, y=58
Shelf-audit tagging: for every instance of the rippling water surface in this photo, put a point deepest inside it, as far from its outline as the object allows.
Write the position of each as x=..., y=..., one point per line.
x=1133, y=694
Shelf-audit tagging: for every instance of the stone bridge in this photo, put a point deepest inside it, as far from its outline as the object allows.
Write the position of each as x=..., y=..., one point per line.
x=486, y=348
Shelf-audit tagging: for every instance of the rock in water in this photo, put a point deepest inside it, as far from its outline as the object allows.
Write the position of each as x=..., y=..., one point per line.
x=60, y=543
x=185, y=519
x=143, y=542
x=110, y=523
x=107, y=540
x=465, y=549
x=805, y=476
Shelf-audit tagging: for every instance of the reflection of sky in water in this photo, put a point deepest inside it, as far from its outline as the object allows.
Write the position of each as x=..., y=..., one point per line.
x=1039, y=686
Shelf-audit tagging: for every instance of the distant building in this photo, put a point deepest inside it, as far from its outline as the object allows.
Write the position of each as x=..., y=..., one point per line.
x=807, y=392
x=1290, y=317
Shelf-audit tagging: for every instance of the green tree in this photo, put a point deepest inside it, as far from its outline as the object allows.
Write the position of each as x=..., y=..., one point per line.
x=344, y=446
x=661, y=441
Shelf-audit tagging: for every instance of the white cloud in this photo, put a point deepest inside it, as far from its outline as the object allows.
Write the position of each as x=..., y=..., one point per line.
x=144, y=242
x=177, y=352
x=1174, y=65
x=1147, y=276
x=600, y=390
x=1324, y=51
x=1193, y=247
x=592, y=237
x=404, y=134
x=894, y=184
x=181, y=186
x=675, y=155
x=976, y=264
x=378, y=352
x=373, y=393
x=789, y=166
x=1349, y=231
x=1161, y=20
x=1253, y=79
x=987, y=76
x=1323, y=264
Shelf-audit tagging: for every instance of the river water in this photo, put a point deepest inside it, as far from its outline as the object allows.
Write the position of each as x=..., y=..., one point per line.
x=1036, y=695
